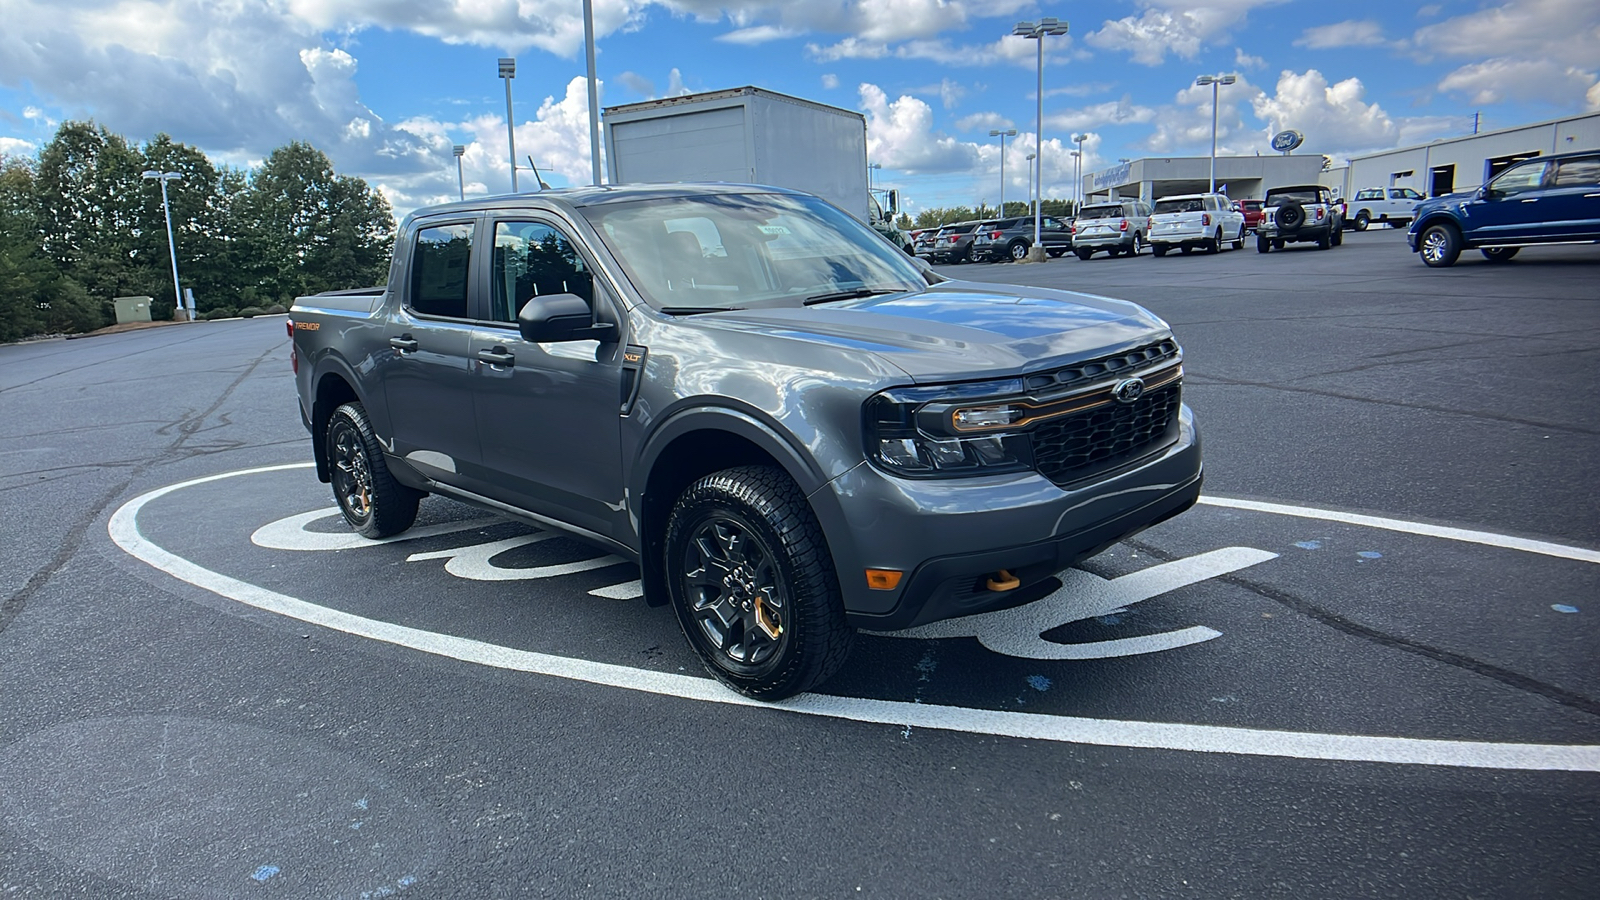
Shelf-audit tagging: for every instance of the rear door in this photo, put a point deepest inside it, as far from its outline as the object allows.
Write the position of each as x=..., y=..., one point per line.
x=424, y=372
x=1571, y=203
x=548, y=416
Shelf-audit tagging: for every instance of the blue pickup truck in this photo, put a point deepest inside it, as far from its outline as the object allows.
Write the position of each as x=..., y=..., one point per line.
x=1546, y=200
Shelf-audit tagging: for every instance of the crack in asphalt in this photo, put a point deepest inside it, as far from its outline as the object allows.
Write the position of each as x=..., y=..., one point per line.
x=187, y=426
x=1512, y=679
x=1202, y=380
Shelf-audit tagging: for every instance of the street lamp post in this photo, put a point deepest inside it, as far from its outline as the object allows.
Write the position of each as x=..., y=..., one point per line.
x=1031, y=200
x=1002, y=135
x=871, y=167
x=508, y=71
x=460, y=150
x=1037, y=32
x=1215, y=81
x=1078, y=167
x=166, y=210
x=594, y=95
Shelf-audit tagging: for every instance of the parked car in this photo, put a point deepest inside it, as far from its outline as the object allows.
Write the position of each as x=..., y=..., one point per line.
x=1391, y=206
x=1195, y=220
x=1118, y=227
x=1251, y=210
x=953, y=243
x=1011, y=239
x=1299, y=213
x=791, y=428
x=923, y=243
x=1550, y=200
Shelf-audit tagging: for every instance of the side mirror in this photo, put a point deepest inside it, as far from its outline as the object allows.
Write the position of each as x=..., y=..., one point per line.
x=1486, y=193
x=894, y=201
x=556, y=318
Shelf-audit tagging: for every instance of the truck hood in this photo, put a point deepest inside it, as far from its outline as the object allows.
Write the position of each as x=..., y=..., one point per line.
x=957, y=331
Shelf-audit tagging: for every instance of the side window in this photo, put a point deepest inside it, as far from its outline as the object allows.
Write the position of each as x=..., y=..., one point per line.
x=440, y=264
x=1519, y=178
x=1409, y=194
x=532, y=259
x=1581, y=172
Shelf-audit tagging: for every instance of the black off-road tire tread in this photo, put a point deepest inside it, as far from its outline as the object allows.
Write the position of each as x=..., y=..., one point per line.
x=769, y=496
x=394, y=506
x=1263, y=245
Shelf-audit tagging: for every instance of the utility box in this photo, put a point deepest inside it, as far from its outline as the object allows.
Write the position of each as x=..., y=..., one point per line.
x=743, y=135
x=132, y=309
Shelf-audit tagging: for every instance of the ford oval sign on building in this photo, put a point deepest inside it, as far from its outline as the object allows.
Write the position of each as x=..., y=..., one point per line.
x=1285, y=141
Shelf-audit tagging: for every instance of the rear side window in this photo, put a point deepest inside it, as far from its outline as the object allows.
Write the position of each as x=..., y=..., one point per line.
x=440, y=263
x=1581, y=172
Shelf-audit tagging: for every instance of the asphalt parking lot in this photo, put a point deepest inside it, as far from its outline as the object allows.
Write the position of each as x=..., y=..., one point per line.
x=1363, y=666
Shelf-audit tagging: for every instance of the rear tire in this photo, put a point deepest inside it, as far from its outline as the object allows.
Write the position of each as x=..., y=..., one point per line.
x=753, y=583
x=1363, y=220
x=1338, y=236
x=1499, y=254
x=1262, y=244
x=372, y=502
x=1138, y=245
x=1158, y=249
x=1084, y=253
x=1018, y=251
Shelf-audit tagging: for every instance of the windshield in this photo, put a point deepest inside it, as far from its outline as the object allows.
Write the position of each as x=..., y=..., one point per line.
x=731, y=251
x=1277, y=198
x=1181, y=205
x=1101, y=212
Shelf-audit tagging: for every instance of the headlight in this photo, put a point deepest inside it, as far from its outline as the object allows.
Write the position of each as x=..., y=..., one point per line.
x=924, y=432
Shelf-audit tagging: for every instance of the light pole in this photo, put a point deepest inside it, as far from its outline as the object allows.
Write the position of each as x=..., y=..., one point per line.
x=1002, y=135
x=1037, y=32
x=1078, y=168
x=1031, y=158
x=870, y=168
x=508, y=71
x=460, y=150
x=166, y=210
x=594, y=96
x=1215, y=81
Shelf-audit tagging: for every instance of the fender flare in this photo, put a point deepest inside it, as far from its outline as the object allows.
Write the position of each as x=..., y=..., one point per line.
x=333, y=364
x=734, y=418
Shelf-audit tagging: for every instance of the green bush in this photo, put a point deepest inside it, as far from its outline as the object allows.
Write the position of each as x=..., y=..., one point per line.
x=249, y=312
x=221, y=312
x=276, y=309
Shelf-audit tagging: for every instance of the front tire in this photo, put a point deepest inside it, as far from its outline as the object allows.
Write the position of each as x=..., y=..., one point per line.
x=1499, y=254
x=1215, y=245
x=1363, y=220
x=1138, y=245
x=373, y=503
x=1439, y=246
x=753, y=583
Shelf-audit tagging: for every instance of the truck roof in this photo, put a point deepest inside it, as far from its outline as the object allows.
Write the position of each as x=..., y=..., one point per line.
x=627, y=109
x=576, y=197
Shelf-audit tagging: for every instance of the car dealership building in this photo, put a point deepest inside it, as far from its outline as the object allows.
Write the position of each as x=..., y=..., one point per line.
x=1240, y=177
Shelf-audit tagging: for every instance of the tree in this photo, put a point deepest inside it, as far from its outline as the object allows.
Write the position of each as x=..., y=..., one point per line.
x=89, y=198
x=34, y=297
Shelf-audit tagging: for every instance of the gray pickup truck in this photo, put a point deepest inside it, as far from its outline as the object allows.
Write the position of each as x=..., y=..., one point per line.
x=793, y=429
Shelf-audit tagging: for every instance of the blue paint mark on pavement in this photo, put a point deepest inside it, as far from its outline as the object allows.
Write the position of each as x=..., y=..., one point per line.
x=1308, y=545
x=1563, y=608
x=1370, y=554
x=1108, y=620
x=265, y=872
x=362, y=803
x=1039, y=682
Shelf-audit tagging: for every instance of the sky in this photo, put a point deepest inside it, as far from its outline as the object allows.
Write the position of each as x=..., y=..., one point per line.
x=386, y=87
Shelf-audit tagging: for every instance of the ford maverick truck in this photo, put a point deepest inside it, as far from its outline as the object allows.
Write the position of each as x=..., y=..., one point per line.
x=793, y=429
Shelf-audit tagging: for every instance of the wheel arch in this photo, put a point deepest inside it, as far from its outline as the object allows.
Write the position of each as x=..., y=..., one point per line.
x=333, y=386
x=1437, y=219
x=690, y=444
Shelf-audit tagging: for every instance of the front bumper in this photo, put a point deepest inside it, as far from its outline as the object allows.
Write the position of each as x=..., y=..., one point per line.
x=947, y=535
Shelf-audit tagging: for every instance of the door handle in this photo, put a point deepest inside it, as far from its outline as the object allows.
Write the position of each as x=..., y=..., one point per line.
x=497, y=357
x=403, y=344
x=1591, y=195
x=1531, y=200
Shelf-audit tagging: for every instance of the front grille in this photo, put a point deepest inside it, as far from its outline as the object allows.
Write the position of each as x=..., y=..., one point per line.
x=1102, y=368
x=1076, y=447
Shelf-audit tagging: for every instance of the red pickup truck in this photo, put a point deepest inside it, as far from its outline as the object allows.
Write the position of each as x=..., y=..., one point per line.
x=1252, y=213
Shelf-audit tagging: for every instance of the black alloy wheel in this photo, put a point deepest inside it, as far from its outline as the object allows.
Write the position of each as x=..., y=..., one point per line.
x=753, y=584
x=372, y=502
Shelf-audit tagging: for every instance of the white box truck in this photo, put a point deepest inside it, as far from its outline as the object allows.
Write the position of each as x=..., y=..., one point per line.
x=748, y=135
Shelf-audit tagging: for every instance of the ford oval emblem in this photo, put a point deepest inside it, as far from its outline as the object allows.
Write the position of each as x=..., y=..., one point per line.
x=1129, y=390
x=1284, y=141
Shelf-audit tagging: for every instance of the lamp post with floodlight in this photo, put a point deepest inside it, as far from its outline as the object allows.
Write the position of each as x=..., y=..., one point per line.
x=1078, y=169
x=461, y=181
x=1002, y=135
x=166, y=210
x=1037, y=32
x=508, y=71
x=1032, y=202
x=1215, y=81
x=594, y=95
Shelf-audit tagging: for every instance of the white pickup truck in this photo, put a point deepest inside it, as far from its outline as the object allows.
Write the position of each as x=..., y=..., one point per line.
x=1396, y=206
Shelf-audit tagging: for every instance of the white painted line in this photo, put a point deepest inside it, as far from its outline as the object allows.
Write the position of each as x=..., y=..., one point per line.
x=1486, y=538
x=124, y=531
x=628, y=590
x=290, y=533
x=476, y=563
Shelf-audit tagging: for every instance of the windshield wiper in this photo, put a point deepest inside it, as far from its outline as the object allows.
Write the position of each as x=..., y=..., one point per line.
x=851, y=294
x=696, y=310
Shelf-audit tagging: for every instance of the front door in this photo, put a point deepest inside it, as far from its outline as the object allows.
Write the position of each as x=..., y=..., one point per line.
x=426, y=380
x=1508, y=209
x=548, y=415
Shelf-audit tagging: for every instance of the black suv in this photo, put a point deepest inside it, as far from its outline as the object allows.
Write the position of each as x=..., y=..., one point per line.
x=1010, y=239
x=1551, y=200
x=953, y=243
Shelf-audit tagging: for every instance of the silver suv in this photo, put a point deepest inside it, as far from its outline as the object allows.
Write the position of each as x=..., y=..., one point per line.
x=1118, y=227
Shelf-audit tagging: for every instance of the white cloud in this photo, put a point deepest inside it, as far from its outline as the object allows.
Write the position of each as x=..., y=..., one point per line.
x=1179, y=27
x=1562, y=31
x=900, y=135
x=1592, y=98
x=1244, y=60
x=1334, y=117
x=1350, y=33
x=984, y=121
x=757, y=34
x=830, y=81
x=10, y=146
x=554, y=26
x=637, y=83
x=872, y=21
x=1118, y=112
x=1501, y=79
x=849, y=48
